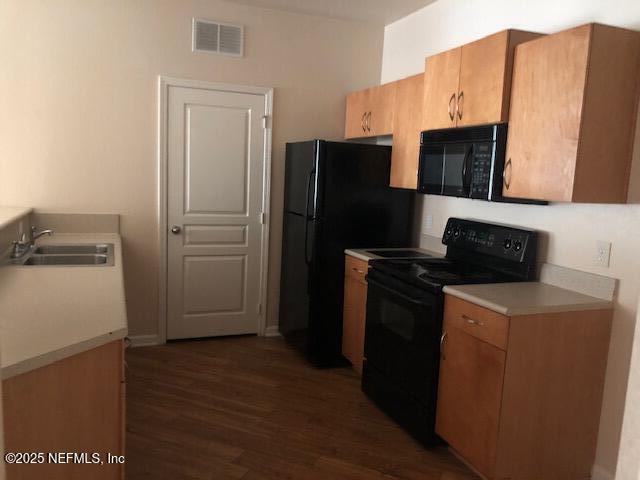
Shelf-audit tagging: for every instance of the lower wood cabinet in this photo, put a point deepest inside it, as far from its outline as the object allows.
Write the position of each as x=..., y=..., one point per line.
x=355, y=311
x=73, y=405
x=519, y=397
x=471, y=379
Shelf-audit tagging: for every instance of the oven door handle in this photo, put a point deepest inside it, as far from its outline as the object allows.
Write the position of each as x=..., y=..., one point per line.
x=405, y=297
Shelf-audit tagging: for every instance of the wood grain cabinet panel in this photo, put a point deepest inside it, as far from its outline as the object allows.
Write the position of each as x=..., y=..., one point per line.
x=572, y=119
x=354, y=314
x=471, y=85
x=469, y=397
x=407, y=125
x=441, y=80
x=381, y=102
x=356, y=111
x=73, y=405
x=531, y=409
x=369, y=112
x=479, y=322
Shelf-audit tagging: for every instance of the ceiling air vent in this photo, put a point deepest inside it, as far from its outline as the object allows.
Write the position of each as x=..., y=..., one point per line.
x=216, y=37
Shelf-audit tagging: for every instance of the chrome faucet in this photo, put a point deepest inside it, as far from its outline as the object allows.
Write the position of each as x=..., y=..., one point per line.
x=35, y=236
x=23, y=245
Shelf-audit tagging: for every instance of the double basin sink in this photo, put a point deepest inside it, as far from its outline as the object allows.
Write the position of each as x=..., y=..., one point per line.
x=71, y=255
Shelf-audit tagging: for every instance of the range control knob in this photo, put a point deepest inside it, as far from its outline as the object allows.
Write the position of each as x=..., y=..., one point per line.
x=507, y=244
x=517, y=245
x=456, y=232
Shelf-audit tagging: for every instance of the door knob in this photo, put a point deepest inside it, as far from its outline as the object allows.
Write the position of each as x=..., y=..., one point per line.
x=176, y=229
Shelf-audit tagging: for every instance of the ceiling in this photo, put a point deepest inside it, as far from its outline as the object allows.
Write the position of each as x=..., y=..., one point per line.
x=381, y=12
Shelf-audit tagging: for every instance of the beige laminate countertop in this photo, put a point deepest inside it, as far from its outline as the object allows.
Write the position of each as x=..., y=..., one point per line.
x=11, y=214
x=52, y=312
x=367, y=254
x=526, y=298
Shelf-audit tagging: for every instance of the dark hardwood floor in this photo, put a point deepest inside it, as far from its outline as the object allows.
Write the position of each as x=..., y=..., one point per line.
x=251, y=408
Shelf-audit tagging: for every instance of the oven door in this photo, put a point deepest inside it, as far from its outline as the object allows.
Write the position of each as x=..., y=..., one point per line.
x=402, y=334
x=445, y=169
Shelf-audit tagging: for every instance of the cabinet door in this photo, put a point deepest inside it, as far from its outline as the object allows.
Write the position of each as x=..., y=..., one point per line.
x=547, y=94
x=380, y=117
x=72, y=405
x=407, y=124
x=469, y=397
x=486, y=67
x=354, y=314
x=482, y=81
x=356, y=112
x=441, y=90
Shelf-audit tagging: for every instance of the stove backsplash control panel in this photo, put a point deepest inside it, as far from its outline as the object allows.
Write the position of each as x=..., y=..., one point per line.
x=509, y=243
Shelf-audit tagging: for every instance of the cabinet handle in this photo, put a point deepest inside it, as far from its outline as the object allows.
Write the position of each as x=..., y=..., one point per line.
x=459, y=105
x=442, y=339
x=362, y=272
x=369, y=121
x=451, y=113
x=471, y=321
x=506, y=178
x=364, y=116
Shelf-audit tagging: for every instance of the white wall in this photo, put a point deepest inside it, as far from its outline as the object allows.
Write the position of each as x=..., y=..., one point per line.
x=78, y=106
x=629, y=456
x=571, y=230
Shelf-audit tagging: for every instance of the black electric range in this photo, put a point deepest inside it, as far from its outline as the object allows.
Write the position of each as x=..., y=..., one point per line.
x=405, y=304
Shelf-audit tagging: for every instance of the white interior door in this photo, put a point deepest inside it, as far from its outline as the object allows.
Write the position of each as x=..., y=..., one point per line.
x=216, y=169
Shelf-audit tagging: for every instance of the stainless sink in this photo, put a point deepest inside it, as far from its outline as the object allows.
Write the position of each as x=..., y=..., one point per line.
x=72, y=249
x=66, y=260
x=70, y=255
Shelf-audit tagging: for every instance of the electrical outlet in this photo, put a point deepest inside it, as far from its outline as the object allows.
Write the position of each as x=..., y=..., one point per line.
x=603, y=253
x=428, y=222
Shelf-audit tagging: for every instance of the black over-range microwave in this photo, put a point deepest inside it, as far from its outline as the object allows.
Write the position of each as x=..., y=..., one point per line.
x=464, y=162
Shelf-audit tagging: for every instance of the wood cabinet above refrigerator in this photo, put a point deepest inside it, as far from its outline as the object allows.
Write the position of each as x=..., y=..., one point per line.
x=470, y=85
x=370, y=112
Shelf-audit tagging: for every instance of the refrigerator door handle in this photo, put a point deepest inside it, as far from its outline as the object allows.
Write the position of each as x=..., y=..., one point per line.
x=306, y=208
x=307, y=258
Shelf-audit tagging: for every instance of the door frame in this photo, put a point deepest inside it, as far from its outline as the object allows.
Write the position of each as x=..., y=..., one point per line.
x=164, y=82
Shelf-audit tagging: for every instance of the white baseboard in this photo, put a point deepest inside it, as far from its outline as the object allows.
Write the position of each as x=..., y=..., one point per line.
x=271, y=331
x=144, y=340
x=599, y=473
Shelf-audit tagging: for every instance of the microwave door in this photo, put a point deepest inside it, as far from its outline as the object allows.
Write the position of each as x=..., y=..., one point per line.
x=455, y=158
x=431, y=169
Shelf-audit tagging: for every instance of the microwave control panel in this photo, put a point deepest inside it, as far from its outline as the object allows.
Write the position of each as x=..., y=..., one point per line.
x=482, y=170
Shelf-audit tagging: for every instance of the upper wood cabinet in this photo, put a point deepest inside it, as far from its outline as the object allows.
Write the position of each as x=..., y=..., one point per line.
x=369, y=112
x=357, y=108
x=573, y=113
x=407, y=121
x=441, y=79
x=470, y=85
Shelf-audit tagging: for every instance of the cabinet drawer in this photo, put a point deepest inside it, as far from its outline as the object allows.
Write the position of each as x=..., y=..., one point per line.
x=355, y=268
x=483, y=324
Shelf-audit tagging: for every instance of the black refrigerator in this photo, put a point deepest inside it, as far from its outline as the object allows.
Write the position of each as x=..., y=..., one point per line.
x=337, y=196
